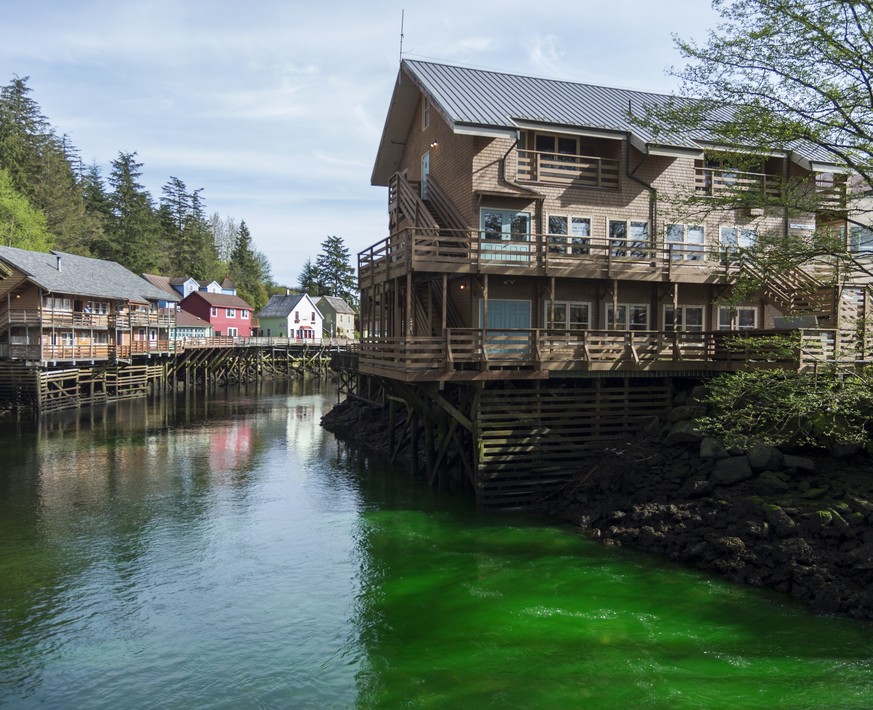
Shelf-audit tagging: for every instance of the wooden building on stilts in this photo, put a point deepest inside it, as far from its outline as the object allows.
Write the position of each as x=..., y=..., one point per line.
x=541, y=290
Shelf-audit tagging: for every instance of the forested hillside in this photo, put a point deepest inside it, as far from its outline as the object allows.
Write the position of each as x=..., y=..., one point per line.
x=50, y=200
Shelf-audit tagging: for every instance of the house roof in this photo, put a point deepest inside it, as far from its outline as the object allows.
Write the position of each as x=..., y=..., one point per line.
x=228, y=282
x=489, y=103
x=161, y=282
x=179, y=280
x=83, y=276
x=184, y=319
x=281, y=306
x=338, y=304
x=219, y=299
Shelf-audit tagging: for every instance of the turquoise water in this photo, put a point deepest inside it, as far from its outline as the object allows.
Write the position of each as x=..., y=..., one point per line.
x=229, y=553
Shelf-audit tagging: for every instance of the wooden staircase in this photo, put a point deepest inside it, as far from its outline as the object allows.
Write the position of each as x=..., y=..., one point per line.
x=793, y=291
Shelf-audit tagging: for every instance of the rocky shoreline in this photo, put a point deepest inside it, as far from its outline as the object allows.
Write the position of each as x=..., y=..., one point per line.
x=797, y=522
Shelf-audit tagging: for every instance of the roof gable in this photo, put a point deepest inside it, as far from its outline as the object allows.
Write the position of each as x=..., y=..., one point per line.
x=224, y=300
x=283, y=306
x=59, y=272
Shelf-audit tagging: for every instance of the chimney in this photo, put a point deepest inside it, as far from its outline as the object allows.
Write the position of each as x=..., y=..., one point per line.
x=58, y=257
x=287, y=291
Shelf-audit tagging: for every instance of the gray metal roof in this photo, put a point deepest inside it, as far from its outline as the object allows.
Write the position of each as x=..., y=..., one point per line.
x=338, y=304
x=82, y=276
x=476, y=100
x=280, y=306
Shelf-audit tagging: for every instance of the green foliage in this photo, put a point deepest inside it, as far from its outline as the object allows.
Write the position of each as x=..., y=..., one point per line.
x=783, y=347
x=21, y=225
x=133, y=225
x=336, y=275
x=246, y=269
x=309, y=281
x=778, y=407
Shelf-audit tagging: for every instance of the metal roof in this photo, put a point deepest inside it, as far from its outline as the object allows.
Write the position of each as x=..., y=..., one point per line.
x=338, y=304
x=499, y=104
x=59, y=272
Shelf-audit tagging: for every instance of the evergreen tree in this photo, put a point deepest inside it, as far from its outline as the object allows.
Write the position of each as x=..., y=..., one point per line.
x=308, y=281
x=133, y=225
x=223, y=236
x=335, y=272
x=246, y=271
x=21, y=225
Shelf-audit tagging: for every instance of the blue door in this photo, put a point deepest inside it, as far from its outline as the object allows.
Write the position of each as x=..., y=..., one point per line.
x=504, y=317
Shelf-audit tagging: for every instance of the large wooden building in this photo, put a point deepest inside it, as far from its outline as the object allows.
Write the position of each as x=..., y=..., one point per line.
x=542, y=277
x=65, y=309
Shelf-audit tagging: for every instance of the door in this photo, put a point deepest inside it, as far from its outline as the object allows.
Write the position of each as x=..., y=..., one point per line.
x=506, y=317
x=505, y=235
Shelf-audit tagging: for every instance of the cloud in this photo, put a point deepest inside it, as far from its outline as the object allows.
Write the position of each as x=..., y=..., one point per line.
x=545, y=54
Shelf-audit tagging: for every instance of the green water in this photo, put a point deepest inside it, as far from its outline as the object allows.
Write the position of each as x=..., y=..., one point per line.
x=230, y=554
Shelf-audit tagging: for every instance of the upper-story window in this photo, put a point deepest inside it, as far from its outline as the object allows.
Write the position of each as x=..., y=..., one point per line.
x=231, y=312
x=425, y=112
x=569, y=234
x=214, y=311
x=629, y=238
x=243, y=313
x=860, y=238
x=733, y=237
x=739, y=318
x=58, y=303
x=685, y=241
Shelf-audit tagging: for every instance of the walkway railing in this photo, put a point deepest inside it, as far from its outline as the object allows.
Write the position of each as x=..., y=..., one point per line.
x=545, y=349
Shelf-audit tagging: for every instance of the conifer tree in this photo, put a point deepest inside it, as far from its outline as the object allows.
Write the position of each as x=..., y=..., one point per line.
x=245, y=269
x=335, y=272
x=133, y=225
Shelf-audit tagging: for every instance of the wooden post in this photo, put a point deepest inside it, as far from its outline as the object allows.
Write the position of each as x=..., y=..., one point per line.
x=413, y=444
x=445, y=303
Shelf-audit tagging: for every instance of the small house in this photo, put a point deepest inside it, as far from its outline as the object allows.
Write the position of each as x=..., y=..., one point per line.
x=292, y=316
x=228, y=315
x=339, y=317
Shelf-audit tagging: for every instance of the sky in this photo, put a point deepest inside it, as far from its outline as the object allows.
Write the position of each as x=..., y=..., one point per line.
x=275, y=108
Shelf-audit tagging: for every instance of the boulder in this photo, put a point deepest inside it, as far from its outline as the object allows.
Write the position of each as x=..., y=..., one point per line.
x=799, y=464
x=772, y=482
x=842, y=451
x=732, y=470
x=783, y=525
x=763, y=458
x=711, y=448
x=686, y=411
x=682, y=432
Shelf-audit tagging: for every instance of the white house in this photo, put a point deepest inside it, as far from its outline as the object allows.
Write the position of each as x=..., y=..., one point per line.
x=291, y=316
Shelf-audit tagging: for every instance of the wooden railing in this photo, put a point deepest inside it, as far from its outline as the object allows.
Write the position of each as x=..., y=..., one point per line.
x=471, y=251
x=578, y=170
x=828, y=194
x=558, y=349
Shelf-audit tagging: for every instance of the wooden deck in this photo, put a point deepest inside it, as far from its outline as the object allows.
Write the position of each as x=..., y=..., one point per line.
x=466, y=353
x=471, y=252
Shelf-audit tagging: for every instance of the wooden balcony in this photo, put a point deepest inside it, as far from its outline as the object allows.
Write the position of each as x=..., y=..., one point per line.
x=465, y=353
x=564, y=169
x=829, y=195
x=465, y=252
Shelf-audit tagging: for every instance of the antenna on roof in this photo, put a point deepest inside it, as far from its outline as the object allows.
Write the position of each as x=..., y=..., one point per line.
x=401, y=34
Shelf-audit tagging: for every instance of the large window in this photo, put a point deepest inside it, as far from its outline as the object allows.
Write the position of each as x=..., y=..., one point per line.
x=505, y=235
x=58, y=303
x=562, y=145
x=739, y=318
x=860, y=238
x=569, y=234
x=630, y=316
x=734, y=237
x=685, y=241
x=629, y=238
x=684, y=318
x=570, y=315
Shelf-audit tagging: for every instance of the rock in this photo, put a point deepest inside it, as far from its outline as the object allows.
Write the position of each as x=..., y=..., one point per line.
x=799, y=464
x=697, y=489
x=686, y=411
x=698, y=393
x=711, y=448
x=780, y=522
x=732, y=470
x=682, y=432
x=813, y=493
x=842, y=451
x=762, y=458
x=772, y=482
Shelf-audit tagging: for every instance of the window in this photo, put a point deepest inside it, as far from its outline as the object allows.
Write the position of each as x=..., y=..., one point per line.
x=505, y=225
x=860, y=238
x=740, y=318
x=296, y=316
x=232, y=332
x=214, y=311
x=63, y=338
x=686, y=318
x=101, y=338
x=568, y=234
x=231, y=312
x=313, y=316
x=425, y=112
x=58, y=303
x=629, y=238
x=243, y=313
x=568, y=314
x=560, y=145
x=685, y=241
x=733, y=237
x=631, y=316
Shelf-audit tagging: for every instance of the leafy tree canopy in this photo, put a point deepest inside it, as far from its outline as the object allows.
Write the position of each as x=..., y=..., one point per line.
x=21, y=224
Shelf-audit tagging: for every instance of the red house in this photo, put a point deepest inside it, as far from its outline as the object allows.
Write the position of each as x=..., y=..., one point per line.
x=228, y=315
